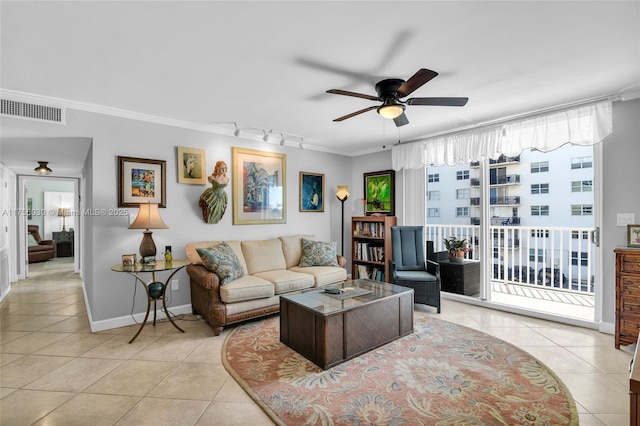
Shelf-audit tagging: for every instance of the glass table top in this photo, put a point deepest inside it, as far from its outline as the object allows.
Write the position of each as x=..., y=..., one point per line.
x=355, y=293
x=160, y=265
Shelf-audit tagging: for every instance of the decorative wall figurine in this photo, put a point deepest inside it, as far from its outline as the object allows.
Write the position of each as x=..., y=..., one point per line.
x=213, y=201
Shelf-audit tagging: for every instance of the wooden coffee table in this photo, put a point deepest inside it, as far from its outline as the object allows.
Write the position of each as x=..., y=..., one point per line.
x=330, y=329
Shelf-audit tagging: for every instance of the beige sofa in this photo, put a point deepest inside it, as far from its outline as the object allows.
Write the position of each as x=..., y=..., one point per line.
x=270, y=269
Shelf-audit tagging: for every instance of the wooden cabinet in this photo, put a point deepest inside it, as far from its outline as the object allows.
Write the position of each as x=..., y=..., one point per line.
x=63, y=243
x=627, y=296
x=371, y=247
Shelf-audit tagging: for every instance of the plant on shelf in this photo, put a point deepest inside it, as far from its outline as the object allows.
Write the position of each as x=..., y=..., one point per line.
x=456, y=248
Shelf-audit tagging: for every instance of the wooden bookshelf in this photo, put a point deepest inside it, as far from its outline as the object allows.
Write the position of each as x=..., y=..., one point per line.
x=371, y=247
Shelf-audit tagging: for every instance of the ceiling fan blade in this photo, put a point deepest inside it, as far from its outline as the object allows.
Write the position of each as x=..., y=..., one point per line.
x=344, y=117
x=438, y=101
x=401, y=120
x=357, y=95
x=418, y=79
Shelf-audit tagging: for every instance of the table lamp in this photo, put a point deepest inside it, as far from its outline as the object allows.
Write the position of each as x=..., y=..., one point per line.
x=342, y=195
x=63, y=212
x=148, y=218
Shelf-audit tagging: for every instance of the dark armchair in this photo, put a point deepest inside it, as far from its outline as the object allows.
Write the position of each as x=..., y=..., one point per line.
x=409, y=267
x=43, y=250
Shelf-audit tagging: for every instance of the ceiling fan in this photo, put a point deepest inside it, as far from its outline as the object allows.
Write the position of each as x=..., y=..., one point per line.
x=391, y=90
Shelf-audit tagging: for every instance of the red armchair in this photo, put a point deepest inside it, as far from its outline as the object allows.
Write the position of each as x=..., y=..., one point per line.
x=44, y=250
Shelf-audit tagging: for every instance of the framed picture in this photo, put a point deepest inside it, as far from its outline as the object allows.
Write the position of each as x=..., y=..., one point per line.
x=379, y=191
x=141, y=181
x=633, y=235
x=311, y=192
x=192, y=166
x=259, y=187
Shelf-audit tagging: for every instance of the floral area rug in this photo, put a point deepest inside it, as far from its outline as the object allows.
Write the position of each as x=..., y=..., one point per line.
x=442, y=374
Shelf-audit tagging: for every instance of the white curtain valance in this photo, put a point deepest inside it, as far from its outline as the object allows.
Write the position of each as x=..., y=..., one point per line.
x=584, y=125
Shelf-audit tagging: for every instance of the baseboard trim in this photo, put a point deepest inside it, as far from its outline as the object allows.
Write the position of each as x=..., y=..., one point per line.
x=124, y=321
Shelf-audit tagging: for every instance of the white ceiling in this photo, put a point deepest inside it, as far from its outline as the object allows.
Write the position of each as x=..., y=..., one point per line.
x=267, y=65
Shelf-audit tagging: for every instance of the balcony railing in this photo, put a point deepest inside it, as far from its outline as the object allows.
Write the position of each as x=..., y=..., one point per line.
x=553, y=258
x=505, y=180
x=505, y=201
x=504, y=159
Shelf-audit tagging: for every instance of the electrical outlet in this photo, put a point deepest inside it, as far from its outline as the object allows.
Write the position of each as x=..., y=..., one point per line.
x=175, y=285
x=624, y=219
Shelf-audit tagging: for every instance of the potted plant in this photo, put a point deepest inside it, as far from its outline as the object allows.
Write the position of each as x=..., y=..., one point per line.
x=456, y=248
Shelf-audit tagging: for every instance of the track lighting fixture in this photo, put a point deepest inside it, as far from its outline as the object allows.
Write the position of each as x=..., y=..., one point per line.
x=282, y=139
x=237, y=131
x=42, y=169
x=266, y=135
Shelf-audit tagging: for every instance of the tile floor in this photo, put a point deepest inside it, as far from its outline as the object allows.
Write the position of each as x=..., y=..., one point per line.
x=53, y=371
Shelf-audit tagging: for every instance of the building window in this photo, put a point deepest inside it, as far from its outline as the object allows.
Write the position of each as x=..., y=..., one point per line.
x=582, y=186
x=496, y=253
x=433, y=212
x=576, y=234
x=463, y=194
x=539, y=210
x=433, y=195
x=540, y=167
x=532, y=255
x=583, y=258
x=540, y=188
x=582, y=163
x=462, y=211
x=540, y=233
x=462, y=175
x=434, y=177
x=581, y=210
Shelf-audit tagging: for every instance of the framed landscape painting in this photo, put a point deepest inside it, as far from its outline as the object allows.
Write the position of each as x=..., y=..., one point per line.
x=311, y=192
x=192, y=166
x=259, y=187
x=141, y=181
x=379, y=190
x=633, y=235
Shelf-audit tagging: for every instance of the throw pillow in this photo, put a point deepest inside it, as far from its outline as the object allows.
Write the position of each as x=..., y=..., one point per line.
x=31, y=240
x=318, y=253
x=222, y=261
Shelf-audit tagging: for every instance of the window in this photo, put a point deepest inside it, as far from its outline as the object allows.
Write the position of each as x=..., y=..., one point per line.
x=581, y=210
x=433, y=195
x=540, y=167
x=583, y=258
x=582, y=162
x=462, y=194
x=434, y=177
x=540, y=233
x=496, y=253
x=540, y=256
x=433, y=212
x=462, y=175
x=539, y=210
x=582, y=186
x=540, y=188
x=462, y=211
x=576, y=234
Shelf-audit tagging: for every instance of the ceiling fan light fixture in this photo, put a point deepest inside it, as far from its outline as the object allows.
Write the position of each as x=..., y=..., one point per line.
x=42, y=169
x=391, y=110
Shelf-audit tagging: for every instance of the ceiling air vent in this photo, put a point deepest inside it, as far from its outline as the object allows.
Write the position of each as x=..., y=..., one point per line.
x=30, y=111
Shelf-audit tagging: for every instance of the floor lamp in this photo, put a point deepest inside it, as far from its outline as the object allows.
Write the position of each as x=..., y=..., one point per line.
x=342, y=195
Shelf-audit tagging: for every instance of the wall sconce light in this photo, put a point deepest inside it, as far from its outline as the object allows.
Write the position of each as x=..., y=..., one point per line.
x=148, y=218
x=342, y=195
x=42, y=169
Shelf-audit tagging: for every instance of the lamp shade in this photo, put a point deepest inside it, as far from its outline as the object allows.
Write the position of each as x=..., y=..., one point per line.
x=391, y=110
x=148, y=218
x=63, y=211
x=343, y=192
x=42, y=169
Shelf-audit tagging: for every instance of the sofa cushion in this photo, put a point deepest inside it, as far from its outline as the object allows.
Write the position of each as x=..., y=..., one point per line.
x=247, y=287
x=323, y=275
x=195, y=259
x=318, y=253
x=263, y=255
x=292, y=248
x=223, y=261
x=31, y=241
x=286, y=281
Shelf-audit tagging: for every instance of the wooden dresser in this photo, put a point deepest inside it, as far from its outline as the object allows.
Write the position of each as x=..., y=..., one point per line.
x=627, y=295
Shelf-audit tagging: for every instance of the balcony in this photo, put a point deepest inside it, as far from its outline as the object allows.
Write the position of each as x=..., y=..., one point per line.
x=475, y=221
x=474, y=182
x=505, y=180
x=505, y=201
x=505, y=221
x=505, y=160
x=474, y=201
x=558, y=280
